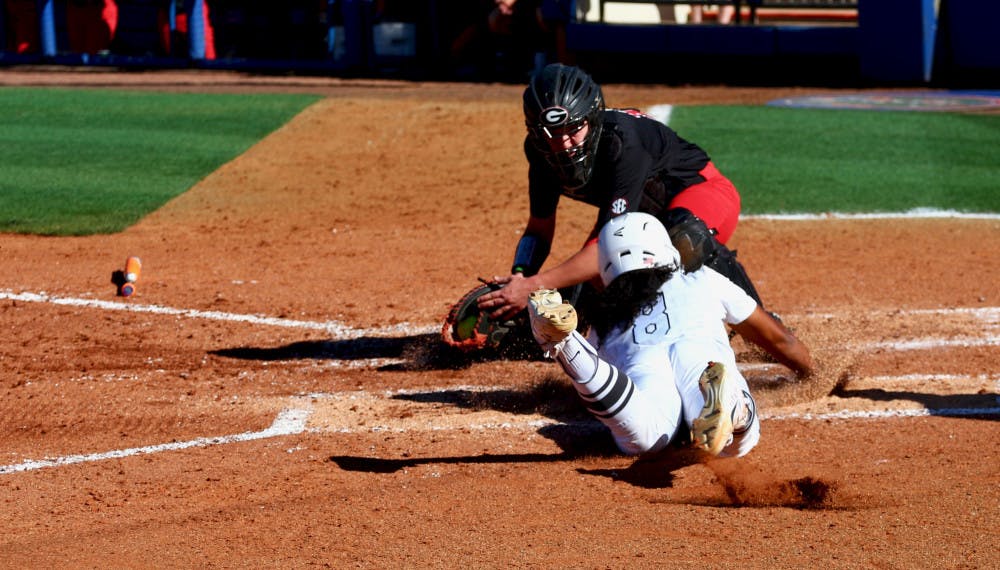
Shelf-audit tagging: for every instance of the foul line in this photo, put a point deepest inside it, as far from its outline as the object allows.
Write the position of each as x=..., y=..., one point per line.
x=340, y=331
x=881, y=414
x=915, y=213
x=925, y=343
x=335, y=328
x=288, y=422
x=661, y=113
x=936, y=378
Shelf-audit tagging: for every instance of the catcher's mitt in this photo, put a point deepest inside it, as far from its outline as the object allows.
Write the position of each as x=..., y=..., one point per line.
x=468, y=329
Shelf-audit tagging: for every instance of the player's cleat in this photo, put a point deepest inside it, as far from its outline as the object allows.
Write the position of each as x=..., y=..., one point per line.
x=725, y=410
x=551, y=319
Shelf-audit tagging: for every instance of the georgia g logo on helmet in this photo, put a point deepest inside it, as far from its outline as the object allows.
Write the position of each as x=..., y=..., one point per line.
x=554, y=116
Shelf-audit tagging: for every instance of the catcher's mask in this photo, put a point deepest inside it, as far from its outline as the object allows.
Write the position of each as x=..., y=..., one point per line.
x=631, y=241
x=560, y=101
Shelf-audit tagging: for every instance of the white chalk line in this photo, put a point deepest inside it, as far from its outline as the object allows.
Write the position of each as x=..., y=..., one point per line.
x=988, y=316
x=846, y=414
x=915, y=213
x=661, y=113
x=882, y=414
x=937, y=378
x=333, y=327
x=288, y=422
x=292, y=421
x=927, y=343
x=803, y=416
x=339, y=331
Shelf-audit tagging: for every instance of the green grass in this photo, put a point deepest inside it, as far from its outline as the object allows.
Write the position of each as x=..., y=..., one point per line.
x=77, y=162
x=808, y=160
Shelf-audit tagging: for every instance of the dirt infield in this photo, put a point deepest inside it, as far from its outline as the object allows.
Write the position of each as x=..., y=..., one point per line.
x=266, y=399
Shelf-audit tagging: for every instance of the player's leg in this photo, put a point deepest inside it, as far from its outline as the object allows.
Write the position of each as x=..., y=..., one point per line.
x=642, y=415
x=717, y=401
x=716, y=201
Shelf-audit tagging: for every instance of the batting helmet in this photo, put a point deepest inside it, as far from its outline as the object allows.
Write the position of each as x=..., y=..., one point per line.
x=634, y=241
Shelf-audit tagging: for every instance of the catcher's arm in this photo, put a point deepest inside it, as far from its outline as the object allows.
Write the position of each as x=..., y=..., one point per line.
x=534, y=245
x=513, y=297
x=766, y=332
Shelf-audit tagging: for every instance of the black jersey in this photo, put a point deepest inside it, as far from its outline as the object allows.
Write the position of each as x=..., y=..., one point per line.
x=641, y=164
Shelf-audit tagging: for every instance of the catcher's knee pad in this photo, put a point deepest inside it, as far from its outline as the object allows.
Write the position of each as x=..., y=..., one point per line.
x=693, y=239
x=698, y=246
x=724, y=261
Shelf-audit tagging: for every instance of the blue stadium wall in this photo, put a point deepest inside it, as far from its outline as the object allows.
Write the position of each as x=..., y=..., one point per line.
x=894, y=41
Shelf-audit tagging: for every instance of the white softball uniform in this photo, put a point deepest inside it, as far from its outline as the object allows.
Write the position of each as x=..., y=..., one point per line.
x=643, y=380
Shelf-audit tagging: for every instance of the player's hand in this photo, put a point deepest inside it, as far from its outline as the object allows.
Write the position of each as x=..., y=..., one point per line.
x=510, y=299
x=506, y=7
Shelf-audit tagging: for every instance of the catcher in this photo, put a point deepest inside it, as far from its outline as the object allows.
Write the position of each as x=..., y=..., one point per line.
x=662, y=363
x=619, y=161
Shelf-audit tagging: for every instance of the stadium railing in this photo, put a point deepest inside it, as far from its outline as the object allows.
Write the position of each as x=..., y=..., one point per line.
x=753, y=11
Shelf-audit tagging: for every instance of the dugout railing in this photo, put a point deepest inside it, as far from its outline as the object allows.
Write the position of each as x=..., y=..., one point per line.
x=751, y=11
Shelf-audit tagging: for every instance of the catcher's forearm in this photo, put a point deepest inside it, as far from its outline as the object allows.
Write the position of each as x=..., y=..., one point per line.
x=531, y=253
x=579, y=268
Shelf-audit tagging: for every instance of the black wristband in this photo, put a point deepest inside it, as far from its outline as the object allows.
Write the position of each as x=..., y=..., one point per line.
x=530, y=255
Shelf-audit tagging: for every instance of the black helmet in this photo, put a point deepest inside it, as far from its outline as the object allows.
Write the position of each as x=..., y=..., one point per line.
x=563, y=97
